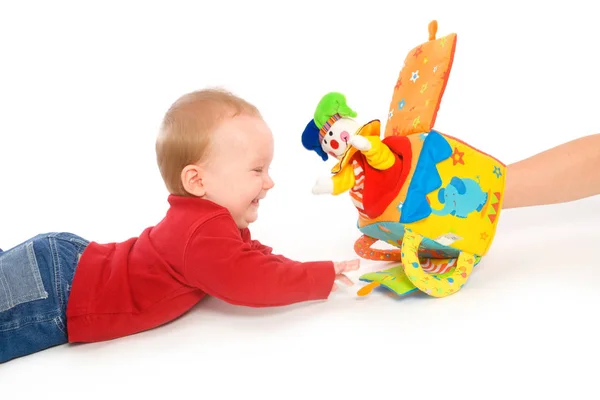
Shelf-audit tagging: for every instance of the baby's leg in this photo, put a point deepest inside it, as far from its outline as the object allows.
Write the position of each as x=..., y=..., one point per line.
x=568, y=172
x=34, y=288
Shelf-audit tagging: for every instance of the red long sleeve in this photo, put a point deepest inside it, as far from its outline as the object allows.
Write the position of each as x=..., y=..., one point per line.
x=143, y=282
x=219, y=262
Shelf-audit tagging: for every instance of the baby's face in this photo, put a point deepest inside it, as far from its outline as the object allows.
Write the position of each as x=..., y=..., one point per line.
x=237, y=170
x=336, y=139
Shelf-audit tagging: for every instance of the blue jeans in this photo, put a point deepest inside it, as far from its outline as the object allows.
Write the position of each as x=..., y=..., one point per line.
x=35, y=282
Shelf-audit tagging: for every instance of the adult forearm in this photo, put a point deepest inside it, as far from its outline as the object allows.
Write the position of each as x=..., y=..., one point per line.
x=568, y=172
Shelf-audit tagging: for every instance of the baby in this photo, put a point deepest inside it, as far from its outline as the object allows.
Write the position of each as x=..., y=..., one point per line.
x=213, y=151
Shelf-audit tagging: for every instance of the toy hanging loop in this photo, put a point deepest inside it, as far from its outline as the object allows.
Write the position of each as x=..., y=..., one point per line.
x=433, y=26
x=362, y=247
x=432, y=285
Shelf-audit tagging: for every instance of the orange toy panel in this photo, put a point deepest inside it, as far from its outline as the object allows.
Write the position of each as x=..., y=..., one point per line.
x=420, y=86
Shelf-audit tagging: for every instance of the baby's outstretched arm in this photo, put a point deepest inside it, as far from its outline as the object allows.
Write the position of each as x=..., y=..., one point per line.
x=568, y=172
x=243, y=272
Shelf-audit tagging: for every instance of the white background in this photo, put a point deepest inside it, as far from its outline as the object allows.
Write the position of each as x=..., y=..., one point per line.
x=83, y=87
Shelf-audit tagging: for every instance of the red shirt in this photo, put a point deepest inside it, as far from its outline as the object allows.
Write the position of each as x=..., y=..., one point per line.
x=124, y=288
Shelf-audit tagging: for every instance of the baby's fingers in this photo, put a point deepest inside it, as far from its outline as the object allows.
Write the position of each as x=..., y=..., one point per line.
x=344, y=279
x=334, y=288
x=351, y=265
x=346, y=266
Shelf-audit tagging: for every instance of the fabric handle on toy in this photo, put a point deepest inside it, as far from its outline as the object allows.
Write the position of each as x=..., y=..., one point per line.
x=433, y=286
x=433, y=26
x=363, y=248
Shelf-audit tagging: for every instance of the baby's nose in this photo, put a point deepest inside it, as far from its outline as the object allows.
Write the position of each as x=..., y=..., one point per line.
x=334, y=144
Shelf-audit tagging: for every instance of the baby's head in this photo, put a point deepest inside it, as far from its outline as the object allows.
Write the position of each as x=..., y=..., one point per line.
x=215, y=145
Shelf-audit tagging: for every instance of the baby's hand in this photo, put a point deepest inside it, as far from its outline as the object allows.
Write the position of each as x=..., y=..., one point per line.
x=360, y=142
x=324, y=185
x=341, y=268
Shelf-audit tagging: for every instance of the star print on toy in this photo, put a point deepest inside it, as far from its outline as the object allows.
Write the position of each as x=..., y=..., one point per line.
x=484, y=235
x=497, y=171
x=457, y=157
x=398, y=84
x=417, y=121
x=415, y=76
x=401, y=104
x=418, y=51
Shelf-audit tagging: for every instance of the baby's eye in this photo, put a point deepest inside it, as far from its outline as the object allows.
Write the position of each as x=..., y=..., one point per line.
x=259, y=170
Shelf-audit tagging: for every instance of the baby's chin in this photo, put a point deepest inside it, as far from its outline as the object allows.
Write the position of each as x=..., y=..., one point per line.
x=250, y=217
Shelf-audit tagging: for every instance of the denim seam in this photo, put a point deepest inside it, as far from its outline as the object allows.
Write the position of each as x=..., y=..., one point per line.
x=6, y=290
x=60, y=324
x=57, y=270
x=69, y=239
x=81, y=243
x=35, y=269
x=28, y=321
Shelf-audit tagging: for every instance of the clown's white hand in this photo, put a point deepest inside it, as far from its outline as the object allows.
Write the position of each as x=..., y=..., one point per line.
x=324, y=185
x=360, y=142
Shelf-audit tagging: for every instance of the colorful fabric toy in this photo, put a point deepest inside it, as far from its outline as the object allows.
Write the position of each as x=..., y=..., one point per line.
x=431, y=195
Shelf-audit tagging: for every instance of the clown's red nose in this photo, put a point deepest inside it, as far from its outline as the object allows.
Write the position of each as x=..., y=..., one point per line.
x=334, y=144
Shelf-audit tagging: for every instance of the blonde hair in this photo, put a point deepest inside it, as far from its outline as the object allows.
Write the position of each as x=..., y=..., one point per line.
x=185, y=132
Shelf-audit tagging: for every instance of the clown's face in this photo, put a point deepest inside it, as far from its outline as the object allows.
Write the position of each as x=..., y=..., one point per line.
x=335, y=142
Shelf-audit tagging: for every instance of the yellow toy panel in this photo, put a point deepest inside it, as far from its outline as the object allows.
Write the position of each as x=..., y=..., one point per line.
x=466, y=208
x=420, y=86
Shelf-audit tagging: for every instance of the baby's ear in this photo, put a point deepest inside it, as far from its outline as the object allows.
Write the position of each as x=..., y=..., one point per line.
x=191, y=179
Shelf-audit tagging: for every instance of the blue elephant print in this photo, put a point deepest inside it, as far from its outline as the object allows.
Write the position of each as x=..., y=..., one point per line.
x=461, y=197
